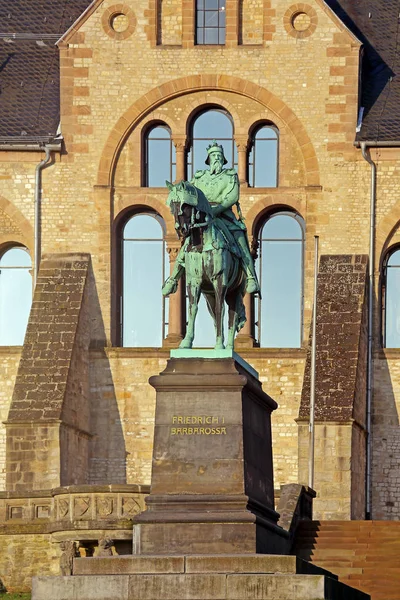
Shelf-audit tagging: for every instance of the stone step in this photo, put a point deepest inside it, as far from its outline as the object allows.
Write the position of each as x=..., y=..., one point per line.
x=193, y=586
x=258, y=563
x=363, y=553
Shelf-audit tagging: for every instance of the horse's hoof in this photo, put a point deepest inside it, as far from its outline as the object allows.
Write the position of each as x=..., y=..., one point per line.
x=186, y=344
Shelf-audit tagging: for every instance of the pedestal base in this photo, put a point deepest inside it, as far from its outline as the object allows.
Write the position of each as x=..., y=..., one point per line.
x=212, y=480
x=212, y=577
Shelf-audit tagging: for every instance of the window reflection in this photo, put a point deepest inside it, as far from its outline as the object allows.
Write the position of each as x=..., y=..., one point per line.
x=217, y=124
x=280, y=271
x=15, y=295
x=392, y=301
x=210, y=21
x=145, y=267
x=263, y=157
x=160, y=163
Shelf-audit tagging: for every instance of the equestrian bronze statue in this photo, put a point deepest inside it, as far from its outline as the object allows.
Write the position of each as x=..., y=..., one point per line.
x=215, y=253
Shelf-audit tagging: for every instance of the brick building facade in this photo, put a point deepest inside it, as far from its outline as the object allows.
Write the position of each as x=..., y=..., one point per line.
x=88, y=82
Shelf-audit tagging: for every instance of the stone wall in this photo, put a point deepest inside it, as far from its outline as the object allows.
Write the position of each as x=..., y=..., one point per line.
x=340, y=390
x=49, y=413
x=171, y=22
x=9, y=360
x=252, y=21
x=32, y=527
x=386, y=436
x=113, y=84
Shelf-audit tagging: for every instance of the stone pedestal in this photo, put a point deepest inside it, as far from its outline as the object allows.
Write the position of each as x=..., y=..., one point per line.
x=212, y=480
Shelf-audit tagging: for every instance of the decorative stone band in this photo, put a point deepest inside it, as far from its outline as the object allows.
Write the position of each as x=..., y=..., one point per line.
x=112, y=503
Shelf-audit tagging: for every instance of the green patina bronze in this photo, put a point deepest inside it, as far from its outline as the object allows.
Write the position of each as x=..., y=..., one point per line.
x=215, y=253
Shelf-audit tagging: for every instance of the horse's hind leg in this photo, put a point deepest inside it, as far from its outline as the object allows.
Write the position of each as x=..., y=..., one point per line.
x=194, y=297
x=210, y=300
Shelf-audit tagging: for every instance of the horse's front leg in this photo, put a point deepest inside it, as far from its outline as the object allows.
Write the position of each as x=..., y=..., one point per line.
x=193, y=290
x=220, y=293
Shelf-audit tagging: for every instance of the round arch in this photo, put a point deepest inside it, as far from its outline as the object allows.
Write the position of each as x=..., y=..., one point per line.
x=26, y=234
x=385, y=232
x=197, y=106
x=148, y=201
x=185, y=85
x=268, y=204
x=157, y=117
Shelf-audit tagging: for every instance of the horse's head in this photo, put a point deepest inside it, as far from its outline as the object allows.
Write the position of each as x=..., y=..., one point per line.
x=188, y=205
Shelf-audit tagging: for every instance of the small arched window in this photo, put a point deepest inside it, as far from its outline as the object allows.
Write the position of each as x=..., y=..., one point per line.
x=15, y=295
x=160, y=156
x=214, y=123
x=391, y=300
x=145, y=266
x=210, y=22
x=279, y=312
x=263, y=157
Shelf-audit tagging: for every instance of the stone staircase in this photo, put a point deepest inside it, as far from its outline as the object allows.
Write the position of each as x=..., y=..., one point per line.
x=364, y=554
x=205, y=577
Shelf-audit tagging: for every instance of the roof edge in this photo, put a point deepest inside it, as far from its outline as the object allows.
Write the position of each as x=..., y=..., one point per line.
x=30, y=143
x=377, y=143
x=65, y=38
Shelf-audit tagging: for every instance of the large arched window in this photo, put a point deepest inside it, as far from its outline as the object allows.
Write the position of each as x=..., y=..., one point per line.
x=263, y=157
x=391, y=299
x=278, y=314
x=15, y=295
x=160, y=156
x=145, y=266
x=210, y=21
x=214, y=123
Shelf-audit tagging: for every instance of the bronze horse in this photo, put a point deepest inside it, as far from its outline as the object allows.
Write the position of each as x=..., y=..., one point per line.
x=211, y=262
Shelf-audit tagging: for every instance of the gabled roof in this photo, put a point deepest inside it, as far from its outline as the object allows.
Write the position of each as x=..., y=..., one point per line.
x=29, y=89
x=377, y=24
x=40, y=16
x=29, y=66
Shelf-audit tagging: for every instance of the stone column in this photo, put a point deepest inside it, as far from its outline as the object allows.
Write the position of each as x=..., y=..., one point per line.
x=180, y=146
x=242, y=146
x=174, y=336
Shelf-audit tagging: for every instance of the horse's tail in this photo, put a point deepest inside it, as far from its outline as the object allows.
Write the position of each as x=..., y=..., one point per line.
x=240, y=308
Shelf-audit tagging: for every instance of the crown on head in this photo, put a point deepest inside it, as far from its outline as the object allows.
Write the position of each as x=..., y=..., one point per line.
x=212, y=148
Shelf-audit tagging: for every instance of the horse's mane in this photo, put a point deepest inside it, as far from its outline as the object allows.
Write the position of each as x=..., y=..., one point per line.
x=187, y=193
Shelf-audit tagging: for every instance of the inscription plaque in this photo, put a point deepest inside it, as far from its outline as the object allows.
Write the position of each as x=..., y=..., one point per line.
x=198, y=420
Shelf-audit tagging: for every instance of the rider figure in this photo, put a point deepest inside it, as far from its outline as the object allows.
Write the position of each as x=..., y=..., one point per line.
x=221, y=188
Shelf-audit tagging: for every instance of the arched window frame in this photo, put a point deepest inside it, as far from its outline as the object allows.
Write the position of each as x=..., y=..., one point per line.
x=210, y=22
x=250, y=162
x=123, y=220
x=384, y=294
x=28, y=293
x=226, y=142
x=257, y=302
x=146, y=140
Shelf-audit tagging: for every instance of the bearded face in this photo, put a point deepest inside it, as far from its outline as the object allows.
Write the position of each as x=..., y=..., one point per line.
x=216, y=163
